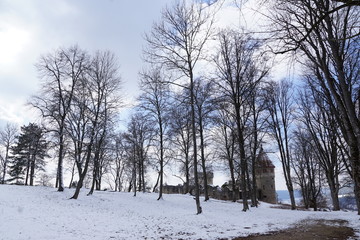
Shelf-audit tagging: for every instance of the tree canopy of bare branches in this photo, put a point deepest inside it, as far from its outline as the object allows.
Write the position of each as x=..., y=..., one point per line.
x=177, y=43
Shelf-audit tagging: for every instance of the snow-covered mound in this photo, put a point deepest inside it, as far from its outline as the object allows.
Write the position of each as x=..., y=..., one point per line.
x=43, y=213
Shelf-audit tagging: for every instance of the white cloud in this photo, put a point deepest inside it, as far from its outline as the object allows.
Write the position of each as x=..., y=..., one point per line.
x=15, y=112
x=29, y=29
x=13, y=41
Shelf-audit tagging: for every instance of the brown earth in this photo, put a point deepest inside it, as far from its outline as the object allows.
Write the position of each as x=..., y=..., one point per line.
x=310, y=229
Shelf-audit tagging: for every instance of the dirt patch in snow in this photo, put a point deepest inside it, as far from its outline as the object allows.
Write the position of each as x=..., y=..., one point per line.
x=310, y=229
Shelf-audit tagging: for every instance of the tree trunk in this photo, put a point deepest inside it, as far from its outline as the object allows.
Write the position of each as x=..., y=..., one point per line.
x=233, y=180
x=98, y=182
x=187, y=173
x=243, y=162
x=27, y=171
x=143, y=170
x=92, y=185
x=354, y=159
x=157, y=182
x=117, y=182
x=196, y=178
x=291, y=193
x=292, y=197
x=334, y=191
x=134, y=176
x=60, y=159
x=140, y=182
x=32, y=172
x=203, y=163
x=285, y=162
x=253, y=162
x=5, y=164
x=254, y=186
x=161, y=159
x=72, y=175
x=87, y=161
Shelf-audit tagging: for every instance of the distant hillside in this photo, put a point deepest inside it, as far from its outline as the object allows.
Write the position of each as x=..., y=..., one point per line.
x=284, y=197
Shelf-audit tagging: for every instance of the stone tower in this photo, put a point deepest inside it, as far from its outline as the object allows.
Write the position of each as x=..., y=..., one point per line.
x=265, y=178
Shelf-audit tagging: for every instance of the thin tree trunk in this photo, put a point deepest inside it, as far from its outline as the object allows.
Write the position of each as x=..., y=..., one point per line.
x=140, y=171
x=187, y=174
x=87, y=160
x=289, y=181
x=72, y=175
x=233, y=180
x=27, y=171
x=243, y=162
x=354, y=155
x=60, y=182
x=32, y=171
x=143, y=171
x=230, y=158
x=253, y=162
x=157, y=182
x=196, y=178
x=290, y=188
x=161, y=159
x=95, y=173
x=92, y=185
x=5, y=164
x=203, y=163
x=134, y=175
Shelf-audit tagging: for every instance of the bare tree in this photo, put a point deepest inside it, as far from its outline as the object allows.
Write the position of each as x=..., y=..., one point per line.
x=118, y=164
x=136, y=143
x=304, y=27
x=280, y=106
x=332, y=53
x=100, y=160
x=180, y=133
x=257, y=132
x=106, y=68
x=60, y=73
x=177, y=42
x=155, y=101
x=204, y=108
x=225, y=137
x=103, y=85
x=239, y=73
x=319, y=118
x=77, y=122
x=7, y=139
x=306, y=167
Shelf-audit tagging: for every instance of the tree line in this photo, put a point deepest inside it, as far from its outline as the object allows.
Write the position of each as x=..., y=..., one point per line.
x=206, y=97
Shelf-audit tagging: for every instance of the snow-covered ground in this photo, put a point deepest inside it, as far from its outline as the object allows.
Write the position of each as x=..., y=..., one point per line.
x=43, y=213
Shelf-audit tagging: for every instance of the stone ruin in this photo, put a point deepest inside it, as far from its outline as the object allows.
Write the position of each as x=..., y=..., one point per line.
x=265, y=181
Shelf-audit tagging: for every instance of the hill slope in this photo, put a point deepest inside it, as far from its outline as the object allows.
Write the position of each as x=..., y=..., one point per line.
x=42, y=213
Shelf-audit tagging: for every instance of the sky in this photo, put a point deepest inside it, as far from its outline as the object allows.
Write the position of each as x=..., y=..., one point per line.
x=29, y=29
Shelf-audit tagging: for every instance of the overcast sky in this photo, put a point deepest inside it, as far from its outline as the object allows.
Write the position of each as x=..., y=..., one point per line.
x=30, y=28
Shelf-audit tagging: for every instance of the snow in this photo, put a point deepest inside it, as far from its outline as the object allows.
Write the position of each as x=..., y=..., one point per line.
x=43, y=213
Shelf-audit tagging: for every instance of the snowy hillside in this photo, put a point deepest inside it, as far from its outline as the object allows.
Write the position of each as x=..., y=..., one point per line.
x=42, y=213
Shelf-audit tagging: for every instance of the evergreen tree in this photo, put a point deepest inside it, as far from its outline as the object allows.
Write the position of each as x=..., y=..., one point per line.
x=17, y=163
x=28, y=154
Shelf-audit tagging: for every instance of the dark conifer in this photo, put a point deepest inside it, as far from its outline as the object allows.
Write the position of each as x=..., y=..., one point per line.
x=28, y=154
